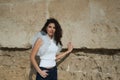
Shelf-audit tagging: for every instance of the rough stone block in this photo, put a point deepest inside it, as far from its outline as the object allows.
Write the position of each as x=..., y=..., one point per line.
x=20, y=21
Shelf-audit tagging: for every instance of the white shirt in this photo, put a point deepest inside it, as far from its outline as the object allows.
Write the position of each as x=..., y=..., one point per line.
x=48, y=59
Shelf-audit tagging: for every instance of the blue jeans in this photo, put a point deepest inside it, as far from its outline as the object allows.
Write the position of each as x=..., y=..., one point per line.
x=52, y=74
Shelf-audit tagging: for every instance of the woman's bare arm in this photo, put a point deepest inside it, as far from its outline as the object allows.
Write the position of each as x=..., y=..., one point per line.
x=33, y=60
x=61, y=55
x=33, y=54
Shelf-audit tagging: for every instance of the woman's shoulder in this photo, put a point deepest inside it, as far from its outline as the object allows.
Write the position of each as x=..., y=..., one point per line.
x=37, y=36
x=43, y=35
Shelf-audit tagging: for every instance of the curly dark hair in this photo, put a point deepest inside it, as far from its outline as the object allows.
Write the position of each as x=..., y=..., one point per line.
x=58, y=32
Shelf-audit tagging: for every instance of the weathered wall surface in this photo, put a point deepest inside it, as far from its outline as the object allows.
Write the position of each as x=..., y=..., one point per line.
x=90, y=65
x=94, y=24
x=86, y=23
x=19, y=21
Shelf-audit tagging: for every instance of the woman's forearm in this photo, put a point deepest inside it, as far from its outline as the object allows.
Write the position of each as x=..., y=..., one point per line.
x=61, y=55
x=70, y=48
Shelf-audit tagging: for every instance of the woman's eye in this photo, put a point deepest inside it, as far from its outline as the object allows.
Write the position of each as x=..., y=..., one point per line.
x=53, y=27
x=49, y=26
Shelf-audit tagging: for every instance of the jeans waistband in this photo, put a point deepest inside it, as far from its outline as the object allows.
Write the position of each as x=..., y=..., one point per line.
x=49, y=68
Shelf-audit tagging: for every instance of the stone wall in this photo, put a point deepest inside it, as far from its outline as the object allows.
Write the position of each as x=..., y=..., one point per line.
x=93, y=26
x=84, y=64
x=86, y=23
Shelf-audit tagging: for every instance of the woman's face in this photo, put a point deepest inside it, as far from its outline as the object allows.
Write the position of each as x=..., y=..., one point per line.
x=51, y=29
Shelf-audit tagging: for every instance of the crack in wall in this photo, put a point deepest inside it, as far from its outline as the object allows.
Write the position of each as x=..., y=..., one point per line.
x=47, y=9
x=103, y=51
x=14, y=49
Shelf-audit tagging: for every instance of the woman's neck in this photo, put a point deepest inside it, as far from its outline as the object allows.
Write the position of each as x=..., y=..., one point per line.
x=51, y=37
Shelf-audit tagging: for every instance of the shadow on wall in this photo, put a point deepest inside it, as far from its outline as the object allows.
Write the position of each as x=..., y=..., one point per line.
x=32, y=69
x=102, y=51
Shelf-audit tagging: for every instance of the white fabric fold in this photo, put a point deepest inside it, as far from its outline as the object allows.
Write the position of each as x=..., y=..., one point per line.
x=46, y=43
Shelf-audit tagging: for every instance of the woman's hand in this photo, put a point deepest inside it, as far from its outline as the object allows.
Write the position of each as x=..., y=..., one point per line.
x=70, y=47
x=44, y=73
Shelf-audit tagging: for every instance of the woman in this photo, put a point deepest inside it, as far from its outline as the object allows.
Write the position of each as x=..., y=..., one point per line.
x=47, y=44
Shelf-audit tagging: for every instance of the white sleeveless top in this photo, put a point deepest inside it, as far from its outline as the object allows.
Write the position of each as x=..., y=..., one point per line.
x=46, y=43
x=48, y=59
x=47, y=51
